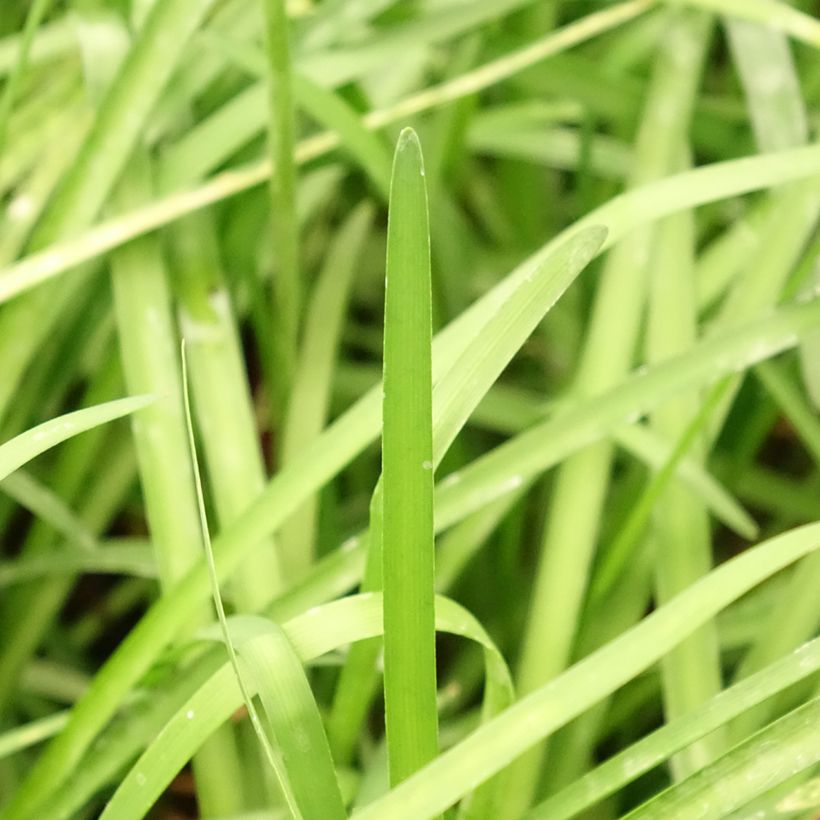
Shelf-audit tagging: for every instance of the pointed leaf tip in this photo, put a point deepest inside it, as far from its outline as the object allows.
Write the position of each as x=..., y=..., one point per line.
x=407, y=138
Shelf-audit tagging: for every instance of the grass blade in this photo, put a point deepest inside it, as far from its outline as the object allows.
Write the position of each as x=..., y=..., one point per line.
x=223, y=401
x=281, y=134
x=23, y=448
x=407, y=468
x=147, y=336
x=296, y=724
x=49, y=507
x=127, y=559
x=274, y=759
x=692, y=673
x=33, y=19
x=364, y=146
x=309, y=400
x=772, y=13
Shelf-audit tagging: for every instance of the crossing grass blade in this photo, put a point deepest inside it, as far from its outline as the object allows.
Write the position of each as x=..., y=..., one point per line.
x=500, y=741
x=773, y=756
x=407, y=471
x=506, y=412
x=658, y=746
x=507, y=466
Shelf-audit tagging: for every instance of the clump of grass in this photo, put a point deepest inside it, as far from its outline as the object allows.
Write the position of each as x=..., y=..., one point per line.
x=528, y=394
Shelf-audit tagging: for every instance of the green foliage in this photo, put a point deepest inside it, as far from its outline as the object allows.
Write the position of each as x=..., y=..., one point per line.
x=535, y=402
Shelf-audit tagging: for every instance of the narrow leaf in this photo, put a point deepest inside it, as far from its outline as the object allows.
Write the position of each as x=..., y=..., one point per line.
x=407, y=466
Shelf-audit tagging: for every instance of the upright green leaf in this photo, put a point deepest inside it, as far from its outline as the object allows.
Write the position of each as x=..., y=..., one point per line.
x=287, y=283
x=407, y=469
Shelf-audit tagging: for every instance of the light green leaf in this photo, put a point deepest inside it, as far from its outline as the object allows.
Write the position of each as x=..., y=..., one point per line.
x=23, y=448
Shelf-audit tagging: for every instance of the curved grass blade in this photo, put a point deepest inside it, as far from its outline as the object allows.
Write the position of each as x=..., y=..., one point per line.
x=32, y=443
x=296, y=724
x=492, y=346
x=312, y=634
